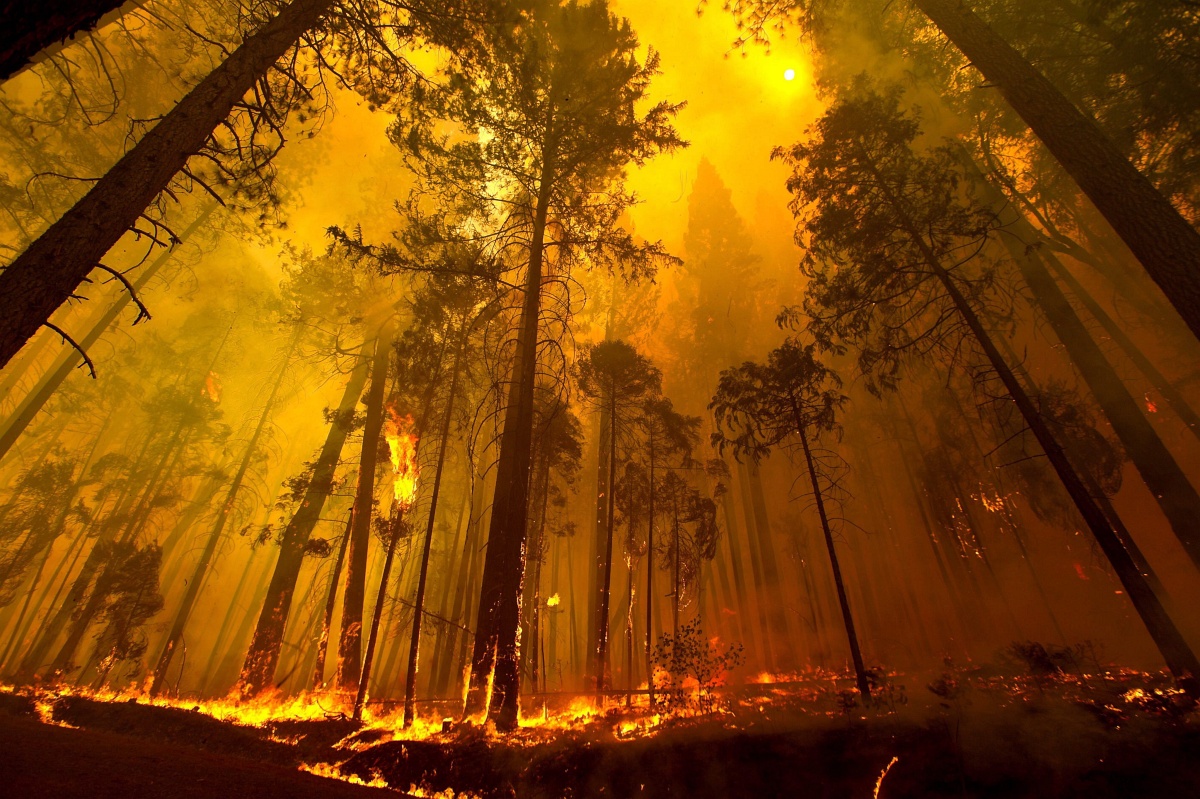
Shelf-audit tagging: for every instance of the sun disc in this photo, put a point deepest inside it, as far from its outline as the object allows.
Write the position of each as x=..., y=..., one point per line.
x=789, y=74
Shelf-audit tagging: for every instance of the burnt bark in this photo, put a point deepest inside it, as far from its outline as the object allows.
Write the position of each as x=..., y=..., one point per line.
x=499, y=616
x=1153, y=229
x=30, y=28
x=44, y=276
x=258, y=670
x=355, y=596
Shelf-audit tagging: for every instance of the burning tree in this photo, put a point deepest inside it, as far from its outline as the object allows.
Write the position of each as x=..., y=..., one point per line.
x=402, y=447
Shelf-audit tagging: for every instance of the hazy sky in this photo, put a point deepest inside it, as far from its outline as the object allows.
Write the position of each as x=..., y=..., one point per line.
x=739, y=107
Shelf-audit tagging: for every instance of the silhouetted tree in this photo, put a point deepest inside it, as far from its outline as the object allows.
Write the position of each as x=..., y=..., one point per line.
x=613, y=375
x=1153, y=229
x=893, y=268
x=564, y=86
x=794, y=399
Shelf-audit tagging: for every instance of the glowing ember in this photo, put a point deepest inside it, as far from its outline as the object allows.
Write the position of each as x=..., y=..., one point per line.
x=402, y=445
x=553, y=601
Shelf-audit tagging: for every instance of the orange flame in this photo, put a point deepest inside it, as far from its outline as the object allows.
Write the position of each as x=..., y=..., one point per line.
x=212, y=387
x=403, y=447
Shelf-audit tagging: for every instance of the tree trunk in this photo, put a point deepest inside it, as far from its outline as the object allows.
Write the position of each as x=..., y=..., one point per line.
x=453, y=565
x=1153, y=229
x=44, y=276
x=860, y=672
x=258, y=671
x=780, y=638
x=1162, y=385
x=766, y=638
x=601, y=667
x=650, y=578
x=31, y=28
x=1179, y=657
x=596, y=543
x=414, y=644
x=459, y=610
x=364, y=681
x=318, y=679
x=200, y=573
x=355, y=597
x=1176, y=496
x=70, y=360
x=495, y=659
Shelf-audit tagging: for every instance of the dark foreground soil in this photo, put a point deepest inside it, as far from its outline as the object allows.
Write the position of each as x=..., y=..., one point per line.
x=40, y=761
x=977, y=746
x=1029, y=754
x=157, y=755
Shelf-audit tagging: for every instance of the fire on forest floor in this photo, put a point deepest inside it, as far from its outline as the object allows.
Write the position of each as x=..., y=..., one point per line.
x=961, y=733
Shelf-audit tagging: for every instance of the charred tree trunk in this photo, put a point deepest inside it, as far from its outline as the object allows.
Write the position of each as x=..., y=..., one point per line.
x=1153, y=229
x=31, y=28
x=860, y=672
x=258, y=671
x=414, y=646
x=355, y=597
x=70, y=360
x=601, y=652
x=495, y=659
x=596, y=544
x=650, y=577
x=44, y=276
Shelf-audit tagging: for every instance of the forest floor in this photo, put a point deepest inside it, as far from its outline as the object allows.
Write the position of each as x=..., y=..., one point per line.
x=1121, y=735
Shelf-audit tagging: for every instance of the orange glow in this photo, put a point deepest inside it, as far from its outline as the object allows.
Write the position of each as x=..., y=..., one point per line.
x=402, y=445
x=212, y=387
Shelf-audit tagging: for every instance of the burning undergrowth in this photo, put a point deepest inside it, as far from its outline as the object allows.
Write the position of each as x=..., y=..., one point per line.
x=965, y=732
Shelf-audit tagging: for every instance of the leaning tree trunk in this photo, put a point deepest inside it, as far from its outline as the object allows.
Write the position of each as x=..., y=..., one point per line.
x=46, y=275
x=318, y=678
x=414, y=643
x=1174, y=397
x=860, y=672
x=200, y=573
x=1176, y=651
x=258, y=671
x=495, y=658
x=355, y=596
x=1153, y=229
x=31, y=28
x=68, y=361
x=1175, y=494
x=1180, y=658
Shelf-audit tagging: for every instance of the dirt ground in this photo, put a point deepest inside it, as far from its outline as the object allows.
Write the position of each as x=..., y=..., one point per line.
x=41, y=761
x=978, y=744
